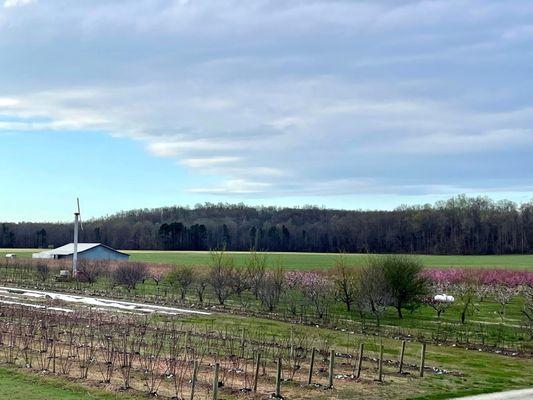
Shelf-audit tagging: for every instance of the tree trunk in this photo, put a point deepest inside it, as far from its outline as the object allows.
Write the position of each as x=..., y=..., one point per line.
x=399, y=308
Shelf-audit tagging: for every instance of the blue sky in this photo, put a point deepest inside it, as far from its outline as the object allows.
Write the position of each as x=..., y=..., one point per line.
x=350, y=104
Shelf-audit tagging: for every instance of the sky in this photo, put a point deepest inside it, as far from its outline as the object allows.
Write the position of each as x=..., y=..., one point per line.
x=335, y=103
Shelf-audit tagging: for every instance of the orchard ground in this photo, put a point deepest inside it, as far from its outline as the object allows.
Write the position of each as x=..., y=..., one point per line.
x=480, y=370
x=313, y=260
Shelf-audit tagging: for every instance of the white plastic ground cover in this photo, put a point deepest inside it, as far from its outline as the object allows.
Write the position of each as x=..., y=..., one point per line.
x=36, y=306
x=101, y=302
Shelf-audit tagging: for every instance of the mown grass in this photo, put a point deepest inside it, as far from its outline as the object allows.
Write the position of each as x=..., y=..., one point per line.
x=323, y=260
x=311, y=260
x=16, y=384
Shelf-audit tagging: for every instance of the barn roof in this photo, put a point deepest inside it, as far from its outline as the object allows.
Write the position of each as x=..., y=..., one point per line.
x=68, y=249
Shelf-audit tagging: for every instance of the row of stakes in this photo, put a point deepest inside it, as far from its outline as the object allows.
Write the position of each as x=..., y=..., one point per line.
x=277, y=393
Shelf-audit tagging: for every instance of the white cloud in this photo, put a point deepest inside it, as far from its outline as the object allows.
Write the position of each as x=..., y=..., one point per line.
x=6, y=102
x=208, y=162
x=285, y=97
x=17, y=3
x=234, y=186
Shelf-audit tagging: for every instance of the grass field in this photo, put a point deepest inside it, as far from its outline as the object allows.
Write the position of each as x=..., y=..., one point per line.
x=15, y=384
x=311, y=260
x=323, y=260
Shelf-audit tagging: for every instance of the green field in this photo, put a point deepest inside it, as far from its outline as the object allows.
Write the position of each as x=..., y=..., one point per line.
x=324, y=260
x=18, y=385
x=311, y=260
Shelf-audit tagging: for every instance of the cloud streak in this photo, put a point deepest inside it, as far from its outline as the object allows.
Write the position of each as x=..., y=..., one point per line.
x=285, y=98
x=17, y=3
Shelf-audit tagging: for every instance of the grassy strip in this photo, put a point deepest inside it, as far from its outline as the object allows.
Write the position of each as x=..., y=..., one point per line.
x=321, y=260
x=311, y=260
x=16, y=384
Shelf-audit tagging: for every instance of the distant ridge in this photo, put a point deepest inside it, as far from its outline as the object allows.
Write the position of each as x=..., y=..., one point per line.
x=460, y=225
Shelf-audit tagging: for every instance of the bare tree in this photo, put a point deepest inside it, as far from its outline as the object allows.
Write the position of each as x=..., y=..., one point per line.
x=200, y=283
x=466, y=296
x=527, y=309
x=221, y=275
x=346, y=281
x=375, y=293
x=503, y=294
x=439, y=306
x=43, y=271
x=240, y=283
x=256, y=269
x=129, y=275
x=90, y=271
x=270, y=289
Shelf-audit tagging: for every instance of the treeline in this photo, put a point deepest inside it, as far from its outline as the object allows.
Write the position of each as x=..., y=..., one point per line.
x=460, y=225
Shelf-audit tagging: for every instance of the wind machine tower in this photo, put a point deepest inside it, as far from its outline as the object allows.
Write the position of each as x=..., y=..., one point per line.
x=77, y=220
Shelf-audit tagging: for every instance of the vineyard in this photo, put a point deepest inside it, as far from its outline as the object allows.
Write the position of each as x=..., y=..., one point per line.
x=173, y=360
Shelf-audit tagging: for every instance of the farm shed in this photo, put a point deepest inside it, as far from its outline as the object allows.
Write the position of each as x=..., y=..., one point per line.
x=86, y=251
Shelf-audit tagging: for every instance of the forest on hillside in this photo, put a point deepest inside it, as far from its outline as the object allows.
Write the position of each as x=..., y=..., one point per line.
x=460, y=225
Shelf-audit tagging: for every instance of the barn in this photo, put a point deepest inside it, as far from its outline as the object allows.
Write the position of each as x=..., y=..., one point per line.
x=86, y=251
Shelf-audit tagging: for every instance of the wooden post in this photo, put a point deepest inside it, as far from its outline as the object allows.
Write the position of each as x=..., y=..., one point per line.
x=310, y=376
x=256, y=372
x=422, y=360
x=331, y=365
x=380, y=365
x=215, y=382
x=402, y=352
x=242, y=343
x=193, y=380
x=360, y=361
x=291, y=354
x=54, y=355
x=278, y=380
x=186, y=344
